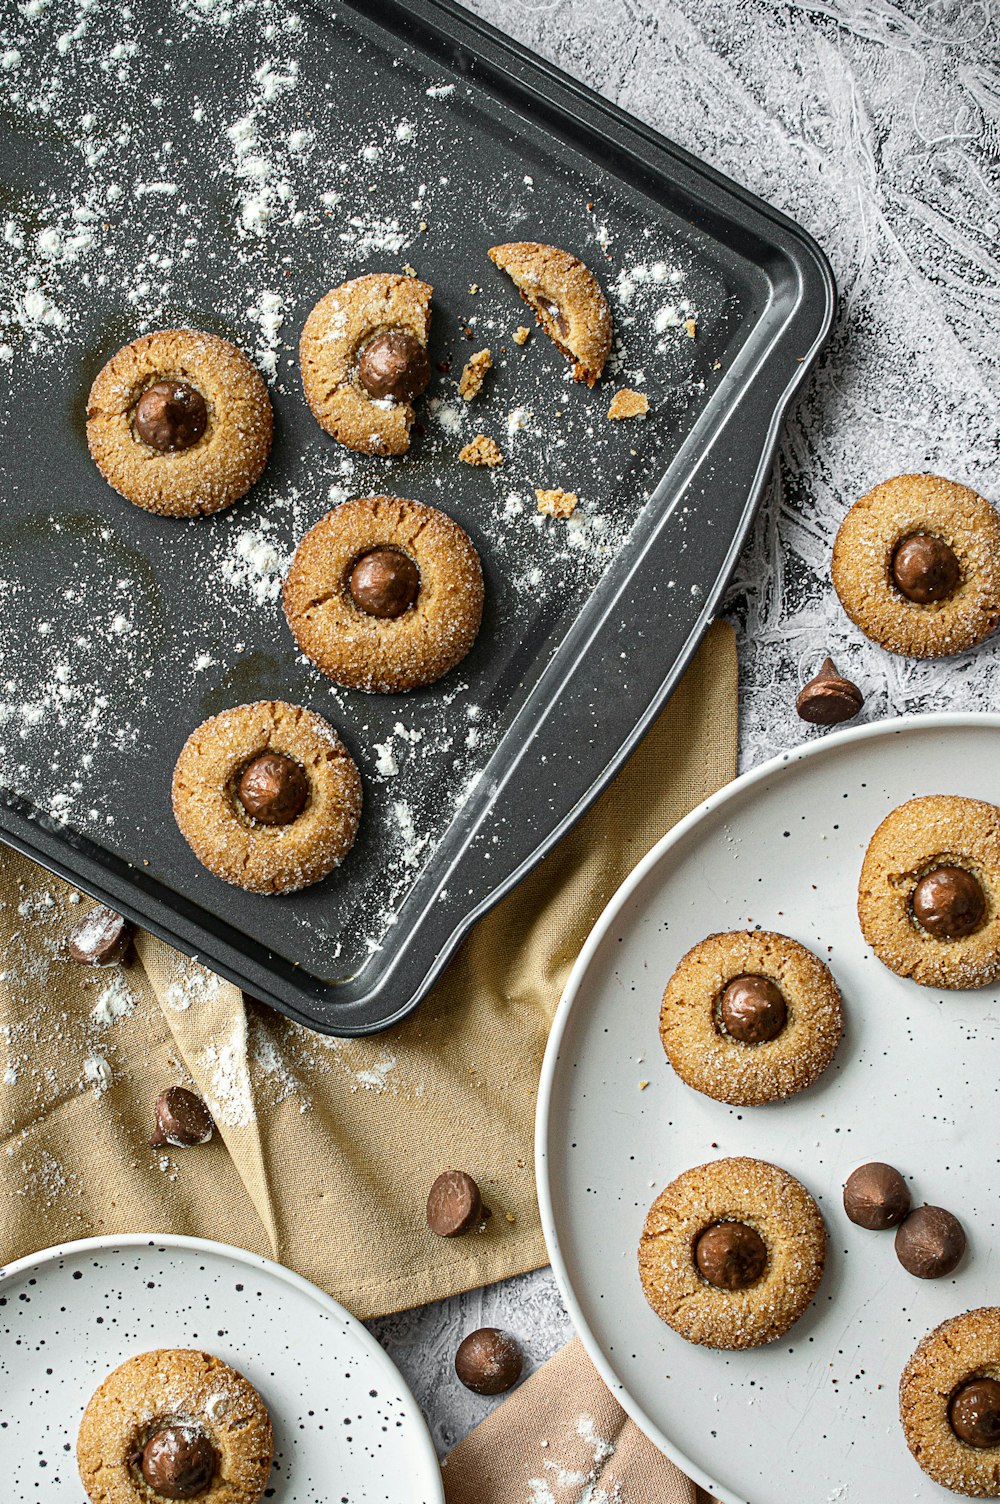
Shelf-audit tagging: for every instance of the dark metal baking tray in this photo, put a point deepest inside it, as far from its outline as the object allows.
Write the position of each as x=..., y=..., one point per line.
x=120, y=631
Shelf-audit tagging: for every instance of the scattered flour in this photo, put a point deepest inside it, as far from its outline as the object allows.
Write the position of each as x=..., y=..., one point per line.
x=255, y=565
x=231, y=1096
x=115, y=1000
x=98, y=1072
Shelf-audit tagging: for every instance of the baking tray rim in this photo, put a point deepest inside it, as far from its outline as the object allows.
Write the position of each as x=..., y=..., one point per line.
x=42, y=838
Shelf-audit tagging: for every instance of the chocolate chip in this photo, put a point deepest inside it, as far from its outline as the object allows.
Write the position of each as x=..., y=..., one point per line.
x=876, y=1196
x=949, y=903
x=395, y=365
x=170, y=415
x=752, y=1010
x=488, y=1361
x=454, y=1204
x=925, y=569
x=178, y=1462
x=100, y=938
x=730, y=1255
x=182, y=1119
x=974, y=1413
x=829, y=698
x=273, y=789
x=384, y=582
x=930, y=1243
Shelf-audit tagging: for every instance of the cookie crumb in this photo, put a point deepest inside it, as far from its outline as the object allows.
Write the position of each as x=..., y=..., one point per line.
x=481, y=451
x=521, y=334
x=473, y=288
x=474, y=375
x=556, y=503
x=628, y=404
x=643, y=1085
x=411, y=271
x=690, y=328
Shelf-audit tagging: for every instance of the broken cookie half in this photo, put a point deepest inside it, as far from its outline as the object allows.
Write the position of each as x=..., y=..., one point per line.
x=567, y=301
x=364, y=360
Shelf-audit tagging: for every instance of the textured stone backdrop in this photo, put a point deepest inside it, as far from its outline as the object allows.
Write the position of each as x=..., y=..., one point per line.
x=877, y=127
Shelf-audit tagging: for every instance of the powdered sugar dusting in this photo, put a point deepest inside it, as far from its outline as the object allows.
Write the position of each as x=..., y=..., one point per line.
x=229, y=207
x=230, y=1096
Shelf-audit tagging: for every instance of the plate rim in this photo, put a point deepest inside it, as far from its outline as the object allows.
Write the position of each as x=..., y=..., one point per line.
x=44, y=1257
x=832, y=744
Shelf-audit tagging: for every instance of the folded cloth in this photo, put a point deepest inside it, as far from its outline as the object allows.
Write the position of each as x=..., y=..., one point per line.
x=326, y=1148
x=561, y=1437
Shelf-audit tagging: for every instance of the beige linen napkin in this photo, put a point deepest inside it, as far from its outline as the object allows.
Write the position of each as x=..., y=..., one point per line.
x=326, y=1148
x=562, y=1436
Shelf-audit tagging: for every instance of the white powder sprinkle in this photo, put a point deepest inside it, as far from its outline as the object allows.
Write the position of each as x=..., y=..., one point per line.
x=114, y=1001
x=98, y=1072
x=230, y=1099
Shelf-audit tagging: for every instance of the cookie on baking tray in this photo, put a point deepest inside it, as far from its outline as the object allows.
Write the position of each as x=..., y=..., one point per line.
x=267, y=796
x=385, y=594
x=929, y=891
x=949, y=1403
x=567, y=301
x=916, y=565
x=732, y=1253
x=175, y=1424
x=179, y=423
x=364, y=360
x=750, y=1017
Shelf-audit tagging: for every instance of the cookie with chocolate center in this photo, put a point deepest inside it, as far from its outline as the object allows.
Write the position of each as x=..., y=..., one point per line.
x=949, y=1404
x=567, y=301
x=916, y=565
x=750, y=1017
x=364, y=360
x=179, y=423
x=385, y=594
x=267, y=796
x=175, y=1424
x=732, y=1253
x=929, y=891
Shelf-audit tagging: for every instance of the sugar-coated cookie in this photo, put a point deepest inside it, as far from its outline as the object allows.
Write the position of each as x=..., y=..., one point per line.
x=567, y=301
x=916, y=565
x=267, y=796
x=732, y=1253
x=364, y=360
x=385, y=594
x=179, y=423
x=929, y=891
x=175, y=1424
x=949, y=1404
x=750, y=1016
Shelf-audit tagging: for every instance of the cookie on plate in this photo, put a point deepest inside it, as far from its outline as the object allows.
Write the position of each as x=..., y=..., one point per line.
x=750, y=1017
x=732, y=1253
x=267, y=796
x=385, y=594
x=175, y=1424
x=364, y=360
x=179, y=423
x=567, y=301
x=916, y=565
x=929, y=891
x=949, y=1404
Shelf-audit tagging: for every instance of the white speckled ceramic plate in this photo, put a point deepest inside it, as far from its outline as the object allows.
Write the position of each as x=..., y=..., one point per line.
x=812, y=1418
x=347, y=1430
